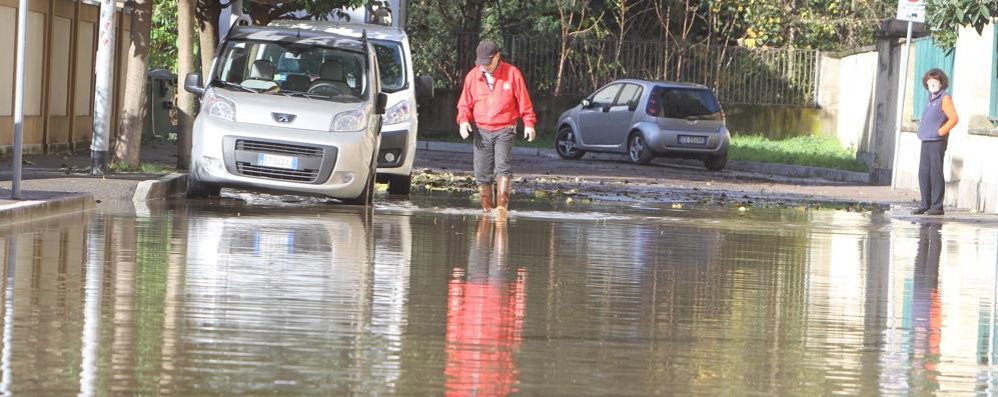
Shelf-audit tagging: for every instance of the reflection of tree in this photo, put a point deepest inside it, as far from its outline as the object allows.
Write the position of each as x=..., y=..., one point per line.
x=926, y=311
x=484, y=318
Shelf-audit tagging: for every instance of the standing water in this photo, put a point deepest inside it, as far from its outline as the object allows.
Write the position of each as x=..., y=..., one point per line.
x=192, y=299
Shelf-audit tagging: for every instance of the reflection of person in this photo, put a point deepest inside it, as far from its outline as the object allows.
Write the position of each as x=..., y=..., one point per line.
x=926, y=313
x=938, y=118
x=484, y=318
x=493, y=98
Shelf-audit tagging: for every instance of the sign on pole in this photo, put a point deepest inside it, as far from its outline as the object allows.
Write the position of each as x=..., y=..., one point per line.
x=911, y=10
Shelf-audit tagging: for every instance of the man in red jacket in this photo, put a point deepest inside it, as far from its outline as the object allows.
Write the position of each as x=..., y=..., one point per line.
x=493, y=98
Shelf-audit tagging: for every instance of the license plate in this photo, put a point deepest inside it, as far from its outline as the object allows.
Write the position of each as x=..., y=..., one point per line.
x=269, y=243
x=692, y=140
x=276, y=161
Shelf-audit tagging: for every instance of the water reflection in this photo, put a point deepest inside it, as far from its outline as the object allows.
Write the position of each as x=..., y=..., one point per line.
x=237, y=300
x=926, y=316
x=485, y=310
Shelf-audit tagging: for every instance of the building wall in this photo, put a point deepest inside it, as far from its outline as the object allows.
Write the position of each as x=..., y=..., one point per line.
x=846, y=97
x=59, y=74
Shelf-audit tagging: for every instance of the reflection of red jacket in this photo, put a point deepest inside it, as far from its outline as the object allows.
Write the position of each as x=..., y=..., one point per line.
x=499, y=107
x=484, y=325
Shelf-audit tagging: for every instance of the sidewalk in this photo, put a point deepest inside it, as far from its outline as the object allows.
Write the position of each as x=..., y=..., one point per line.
x=52, y=185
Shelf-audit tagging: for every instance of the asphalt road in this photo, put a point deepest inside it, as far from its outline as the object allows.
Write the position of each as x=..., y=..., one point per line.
x=669, y=180
x=602, y=177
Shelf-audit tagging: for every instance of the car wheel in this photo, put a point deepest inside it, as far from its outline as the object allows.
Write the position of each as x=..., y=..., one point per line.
x=399, y=184
x=564, y=144
x=198, y=189
x=637, y=149
x=715, y=162
x=366, y=197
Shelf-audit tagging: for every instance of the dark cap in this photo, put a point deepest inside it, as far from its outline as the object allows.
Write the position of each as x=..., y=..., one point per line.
x=486, y=49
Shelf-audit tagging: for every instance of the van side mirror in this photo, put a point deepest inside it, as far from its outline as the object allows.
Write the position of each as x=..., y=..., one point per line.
x=586, y=103
x=424, y=87
x=192, y=83
x=381, y=103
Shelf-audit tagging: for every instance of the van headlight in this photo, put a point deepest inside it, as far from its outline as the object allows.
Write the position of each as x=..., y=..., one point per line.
x=219, y=106
x=398, y=113
x=349, y=121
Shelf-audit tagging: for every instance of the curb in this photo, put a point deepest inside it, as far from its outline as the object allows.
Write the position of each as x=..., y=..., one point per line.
x=795, y=171
x=40, y=205
x=158, y=189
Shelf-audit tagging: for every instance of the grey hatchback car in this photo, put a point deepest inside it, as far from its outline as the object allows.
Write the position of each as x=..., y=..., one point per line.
x=645, y=119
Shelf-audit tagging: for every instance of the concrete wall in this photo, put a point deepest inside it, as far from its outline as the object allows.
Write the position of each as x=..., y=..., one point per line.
x=774, y=122
x=971, y=181
x=846, y=97
x=438, y=116
x=59, y=75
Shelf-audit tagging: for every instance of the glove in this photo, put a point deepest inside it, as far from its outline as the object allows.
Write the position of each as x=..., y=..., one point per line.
x=464, y=129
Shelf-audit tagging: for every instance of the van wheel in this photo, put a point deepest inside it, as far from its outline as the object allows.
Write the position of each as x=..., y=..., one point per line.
x=198, y=189
x=399, y=184
x=564, y=144
x=637, y=149
x=366, y=197
x=715, y=162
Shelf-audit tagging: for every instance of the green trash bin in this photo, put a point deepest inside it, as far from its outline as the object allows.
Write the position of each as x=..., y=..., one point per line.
x=161, y=87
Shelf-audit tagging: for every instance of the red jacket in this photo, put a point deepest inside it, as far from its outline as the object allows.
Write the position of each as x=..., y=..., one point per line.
x=499, y=107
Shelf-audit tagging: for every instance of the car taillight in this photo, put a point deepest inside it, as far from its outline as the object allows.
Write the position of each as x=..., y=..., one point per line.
x=653, y=107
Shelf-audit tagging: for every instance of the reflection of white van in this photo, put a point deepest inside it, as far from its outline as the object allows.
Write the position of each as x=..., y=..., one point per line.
x=399, y=128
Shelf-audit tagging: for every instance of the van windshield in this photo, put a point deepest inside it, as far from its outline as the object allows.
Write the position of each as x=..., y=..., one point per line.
x=391, y=62
x=292, y=69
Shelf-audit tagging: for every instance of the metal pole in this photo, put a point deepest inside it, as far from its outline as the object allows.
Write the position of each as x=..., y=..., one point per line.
x=900, y=108
x=6, y=360
x=103, y=91
x=22, y=28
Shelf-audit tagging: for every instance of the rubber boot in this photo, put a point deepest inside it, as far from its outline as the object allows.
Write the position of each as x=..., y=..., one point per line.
x=502, y=195
x=485, y=193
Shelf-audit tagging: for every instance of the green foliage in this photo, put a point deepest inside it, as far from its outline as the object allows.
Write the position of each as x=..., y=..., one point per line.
x=163, y=36
x=945, y=17
x=143, y=168
x=813, y=151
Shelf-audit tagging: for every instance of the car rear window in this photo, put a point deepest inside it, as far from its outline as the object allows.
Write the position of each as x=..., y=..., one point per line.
x=681, y=103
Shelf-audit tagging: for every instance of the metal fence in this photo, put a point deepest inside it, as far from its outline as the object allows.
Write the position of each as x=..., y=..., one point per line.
x=739, y=75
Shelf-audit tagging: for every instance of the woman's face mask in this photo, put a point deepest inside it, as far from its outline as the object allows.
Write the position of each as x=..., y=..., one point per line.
x=934, y=85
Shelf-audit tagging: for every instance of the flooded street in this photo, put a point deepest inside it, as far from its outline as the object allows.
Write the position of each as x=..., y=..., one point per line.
x=429, y=298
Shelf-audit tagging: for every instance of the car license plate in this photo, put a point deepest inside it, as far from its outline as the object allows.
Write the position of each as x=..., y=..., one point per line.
x=692, y=140
x=276, y=161
x=272, y=242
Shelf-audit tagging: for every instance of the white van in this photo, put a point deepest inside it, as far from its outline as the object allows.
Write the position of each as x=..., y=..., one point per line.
x=398, y=82
x=288, y=110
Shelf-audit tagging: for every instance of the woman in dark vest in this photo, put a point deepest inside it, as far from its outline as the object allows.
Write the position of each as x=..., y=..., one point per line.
x=938, y=119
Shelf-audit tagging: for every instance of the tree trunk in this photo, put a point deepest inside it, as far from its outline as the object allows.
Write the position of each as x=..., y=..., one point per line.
x=133, y=109
x=185, y=65
x=208, y=12
x=471, y=26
